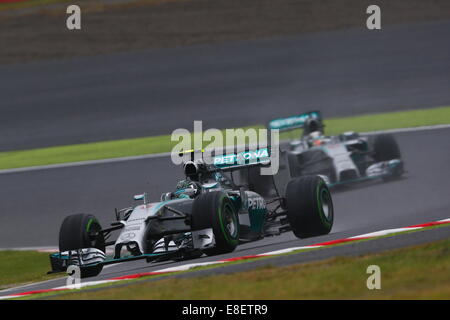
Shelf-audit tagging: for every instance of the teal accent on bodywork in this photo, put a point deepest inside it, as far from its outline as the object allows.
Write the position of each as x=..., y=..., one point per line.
x=257, y=219
x=394, y=163
x=361, y=179
x=293, y=122
x=162, y=204
x=242, y=158
x=111, y=260
x=211, y=186
x=237, y=203
x=179, y=194
x=60, y=256
x=159, y=206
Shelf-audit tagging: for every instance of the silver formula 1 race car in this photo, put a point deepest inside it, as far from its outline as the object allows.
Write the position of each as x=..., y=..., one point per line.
x=339, y=160
x=207, y=213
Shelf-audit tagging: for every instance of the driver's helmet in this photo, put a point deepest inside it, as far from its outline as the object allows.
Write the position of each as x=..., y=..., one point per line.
x=315, y=138
x=312, y=125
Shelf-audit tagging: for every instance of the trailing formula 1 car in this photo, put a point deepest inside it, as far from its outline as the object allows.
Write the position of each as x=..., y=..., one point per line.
x=339, y=160
x=207, y=213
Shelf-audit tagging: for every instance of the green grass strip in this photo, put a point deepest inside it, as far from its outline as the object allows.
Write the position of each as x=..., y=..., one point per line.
x=159, y=144
x=21, y=267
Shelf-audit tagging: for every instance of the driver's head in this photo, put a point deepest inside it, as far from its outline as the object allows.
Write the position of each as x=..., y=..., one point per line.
x=312, y=125
x=315, y=138
x=192, y=169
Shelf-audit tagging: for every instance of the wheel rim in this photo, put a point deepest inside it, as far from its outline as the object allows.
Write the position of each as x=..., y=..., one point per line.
x=95, y=240
x=325, y=200
x=230, y=220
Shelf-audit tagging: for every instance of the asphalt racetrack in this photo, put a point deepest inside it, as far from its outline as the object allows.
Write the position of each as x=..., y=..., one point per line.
x=225, y=85
x=34, y=203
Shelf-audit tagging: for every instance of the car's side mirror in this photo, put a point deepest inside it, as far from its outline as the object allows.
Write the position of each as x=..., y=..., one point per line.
x=166, y=196
x=143, y=197
x=190, y=192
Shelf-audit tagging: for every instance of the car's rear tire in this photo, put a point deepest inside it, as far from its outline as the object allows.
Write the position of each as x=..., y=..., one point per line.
x=309, y=206
x=215, y=210
x=80, y=231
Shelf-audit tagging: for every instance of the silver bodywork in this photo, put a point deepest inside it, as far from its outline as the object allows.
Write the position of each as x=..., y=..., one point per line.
x=133, y=235
x=342, y=164
x=341, y=160
x=134, y=228
x=337, y=151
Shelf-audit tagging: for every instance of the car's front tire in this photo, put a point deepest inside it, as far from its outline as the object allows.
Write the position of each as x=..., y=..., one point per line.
x=385, y=148
x=309, y=206
x=215, y=210
x=79, y=231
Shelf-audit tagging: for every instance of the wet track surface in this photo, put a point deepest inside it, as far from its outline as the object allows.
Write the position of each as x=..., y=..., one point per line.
x=34, y=203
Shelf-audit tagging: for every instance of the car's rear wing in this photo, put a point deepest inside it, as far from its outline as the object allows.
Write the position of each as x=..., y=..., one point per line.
x=237, y=160
x=233, y=158
x=295, y=122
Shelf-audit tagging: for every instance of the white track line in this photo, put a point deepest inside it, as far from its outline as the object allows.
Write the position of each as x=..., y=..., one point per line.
x=167, y=154
x=85, y=163
x=384, y=232
x=287, y=250
x=410, y=129
x=186, y=267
